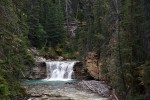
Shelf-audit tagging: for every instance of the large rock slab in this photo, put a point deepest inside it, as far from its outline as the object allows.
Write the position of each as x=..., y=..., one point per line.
x=92, y=65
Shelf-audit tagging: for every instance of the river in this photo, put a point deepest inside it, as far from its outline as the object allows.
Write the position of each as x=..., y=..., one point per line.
x=58, y=90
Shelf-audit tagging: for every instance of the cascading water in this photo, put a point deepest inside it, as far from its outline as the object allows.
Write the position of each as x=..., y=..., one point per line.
x=59, y=70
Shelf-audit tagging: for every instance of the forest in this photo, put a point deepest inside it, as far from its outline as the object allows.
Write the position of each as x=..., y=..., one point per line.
x=117, y=30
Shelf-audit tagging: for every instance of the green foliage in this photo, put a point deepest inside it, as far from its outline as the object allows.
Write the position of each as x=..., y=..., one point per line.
x=4, y=92
x=46, y=23
x=137, y=97
x=40, y=36
x=37, y=34
x=70, y=55
x=13, y=46
x=114, y=30
x=42, y=22
x=93, y=30
x=50, y=53
x=146, y=79
x=146, y=75
x=29, y=58
x=16, y=90
x=54, y=23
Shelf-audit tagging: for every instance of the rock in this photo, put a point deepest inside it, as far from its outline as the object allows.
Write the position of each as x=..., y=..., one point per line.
x=40, y=59
x=44, y=97
x=60, y=58
x=96, y=86
x=34, y=51
x=39, y=71
x=80, y=73
x=91, y=64
x=59, y=92
x=36, y=95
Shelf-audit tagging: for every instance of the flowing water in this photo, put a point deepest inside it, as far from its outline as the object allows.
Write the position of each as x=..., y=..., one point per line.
x=59, y=70
x=58, y=90
x=58, y=85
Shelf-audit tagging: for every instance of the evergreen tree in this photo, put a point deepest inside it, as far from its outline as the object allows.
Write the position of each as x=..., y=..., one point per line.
x=54, y=22
x=13, y=51
x=37, y=34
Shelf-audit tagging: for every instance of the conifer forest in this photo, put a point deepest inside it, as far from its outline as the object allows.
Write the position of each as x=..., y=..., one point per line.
x=116, y=33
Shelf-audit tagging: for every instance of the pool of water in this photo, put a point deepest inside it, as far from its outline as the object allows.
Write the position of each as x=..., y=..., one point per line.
x=58, y=90
x=50, y=81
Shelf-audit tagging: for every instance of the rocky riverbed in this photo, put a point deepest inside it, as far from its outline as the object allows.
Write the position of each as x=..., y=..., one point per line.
x=65, y=91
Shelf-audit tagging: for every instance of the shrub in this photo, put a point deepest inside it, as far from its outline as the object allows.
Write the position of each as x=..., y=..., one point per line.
x=4, y=92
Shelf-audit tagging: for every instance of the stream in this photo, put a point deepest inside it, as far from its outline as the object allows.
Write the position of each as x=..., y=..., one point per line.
x=58, y=90
x=59, y=84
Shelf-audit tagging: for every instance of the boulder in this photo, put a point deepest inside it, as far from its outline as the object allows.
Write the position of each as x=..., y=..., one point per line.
x=60, y=58
x=92, y=65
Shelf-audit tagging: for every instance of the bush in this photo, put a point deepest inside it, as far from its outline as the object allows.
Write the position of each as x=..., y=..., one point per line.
x=70, y=55
x=4, y=92
x=49, y=53
x=29, y=58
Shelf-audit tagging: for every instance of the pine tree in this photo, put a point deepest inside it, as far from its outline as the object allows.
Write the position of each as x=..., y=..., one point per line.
x=54, y=22
x=13, y=51
x=37, y=34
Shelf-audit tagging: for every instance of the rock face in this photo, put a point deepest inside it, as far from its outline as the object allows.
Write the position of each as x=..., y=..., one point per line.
x=92, y=65
x=39, y=71
x=80, y=72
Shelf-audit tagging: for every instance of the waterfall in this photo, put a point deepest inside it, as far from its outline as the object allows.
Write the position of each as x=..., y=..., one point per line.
x=59, y=70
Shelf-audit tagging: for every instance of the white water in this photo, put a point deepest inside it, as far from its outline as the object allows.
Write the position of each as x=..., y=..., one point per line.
x=59, y=70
